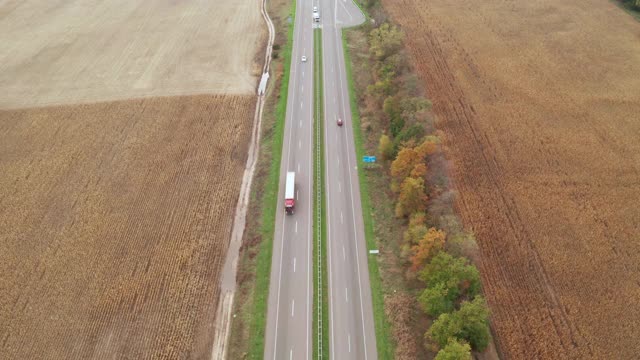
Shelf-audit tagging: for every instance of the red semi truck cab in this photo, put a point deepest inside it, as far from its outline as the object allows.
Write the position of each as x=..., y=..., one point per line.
x=289, y=193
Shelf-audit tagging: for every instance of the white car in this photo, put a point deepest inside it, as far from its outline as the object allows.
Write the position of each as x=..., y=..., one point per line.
x=315, y=9
x=304, y=58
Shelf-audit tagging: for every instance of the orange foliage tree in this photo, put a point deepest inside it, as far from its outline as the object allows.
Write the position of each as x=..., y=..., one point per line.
x=429, y=245
x=403, y=164
x=419, y=171
x=427, y=147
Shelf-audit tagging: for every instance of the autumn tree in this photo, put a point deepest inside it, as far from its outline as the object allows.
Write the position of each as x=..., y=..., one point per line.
x=470, y=324
x=385, y=147
x=381, y=88
x=418, y=218
x=428, y=147
x=419, y=171
x=455, y=350
x=385, y=40
x=405, y=161
x=431, y=242
x=415, y=231
x=412, y=197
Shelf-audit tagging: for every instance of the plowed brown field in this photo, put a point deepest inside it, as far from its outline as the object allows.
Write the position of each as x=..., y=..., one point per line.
x=540, y=104
x=114, y=225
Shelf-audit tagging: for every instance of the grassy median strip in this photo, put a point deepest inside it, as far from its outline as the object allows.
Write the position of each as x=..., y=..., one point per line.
x=269, y=205
x=319, y=187
x=384, y=342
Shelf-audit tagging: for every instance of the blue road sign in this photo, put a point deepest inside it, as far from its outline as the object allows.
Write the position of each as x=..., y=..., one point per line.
x=369, y=159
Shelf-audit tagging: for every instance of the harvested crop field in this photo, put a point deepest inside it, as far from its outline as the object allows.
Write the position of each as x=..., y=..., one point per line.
x=540, y=105
x=66, y=52
x=114, y=225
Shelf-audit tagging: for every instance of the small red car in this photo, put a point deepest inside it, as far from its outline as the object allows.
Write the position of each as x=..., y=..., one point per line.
x=339, y=122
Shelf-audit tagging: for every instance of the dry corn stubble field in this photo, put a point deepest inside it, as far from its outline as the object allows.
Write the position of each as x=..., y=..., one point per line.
x=540, y=104
x=116, y=218
x=116, y=215
x=66, y=52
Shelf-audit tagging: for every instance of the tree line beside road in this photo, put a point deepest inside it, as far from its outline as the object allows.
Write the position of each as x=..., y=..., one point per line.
x=450, y=292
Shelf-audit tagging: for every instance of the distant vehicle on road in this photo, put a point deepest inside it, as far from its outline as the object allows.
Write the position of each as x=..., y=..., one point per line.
x=339, y=122
x=316, y=17
x=289, y=193
x=304, y=58
x=315, y=9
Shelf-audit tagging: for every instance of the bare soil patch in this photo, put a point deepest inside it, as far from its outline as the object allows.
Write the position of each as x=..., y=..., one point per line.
x=539, y=102
x=67, y=52
x=115, y=223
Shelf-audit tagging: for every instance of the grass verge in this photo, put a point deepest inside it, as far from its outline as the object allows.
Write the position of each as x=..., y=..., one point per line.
x=256, y=315
x=320, y=186
x=384, y=342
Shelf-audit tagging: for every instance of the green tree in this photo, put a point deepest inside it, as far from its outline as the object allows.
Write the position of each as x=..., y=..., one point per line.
x=434, y=300
x=412, y=106
x=412, y=197
x=409, y=133
x=391, y=108
x=385, y=147
x=455, y=350
x=470, y=323
x=455, y=274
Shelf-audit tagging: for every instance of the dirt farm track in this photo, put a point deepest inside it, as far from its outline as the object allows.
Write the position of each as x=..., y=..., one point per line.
x=540, y=105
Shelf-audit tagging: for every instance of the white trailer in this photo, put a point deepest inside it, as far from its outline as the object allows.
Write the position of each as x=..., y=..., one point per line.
x=289, y=193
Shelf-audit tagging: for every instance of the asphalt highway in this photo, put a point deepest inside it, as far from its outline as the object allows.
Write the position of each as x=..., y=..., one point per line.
x=351, y=329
